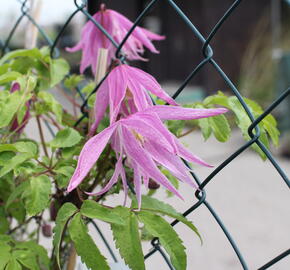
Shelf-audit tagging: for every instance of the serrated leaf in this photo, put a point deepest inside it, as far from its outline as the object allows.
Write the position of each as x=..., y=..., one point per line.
x=38, y=195
x=243, y=122
x=67, y=137
x=269, y=123
x=127, y=239
x=14, y=162
x=52, y=104
x=92, y=209
x=58, y=69
x=63, y=216
x=85, y=246
x=219, y=99
x=168, y=238
x=220, y=127
x=154, y=205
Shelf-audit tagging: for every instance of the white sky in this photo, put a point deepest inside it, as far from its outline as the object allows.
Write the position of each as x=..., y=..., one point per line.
x=52, y=11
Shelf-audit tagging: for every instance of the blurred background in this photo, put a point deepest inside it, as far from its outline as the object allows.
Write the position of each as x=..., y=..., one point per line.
x=253, y=48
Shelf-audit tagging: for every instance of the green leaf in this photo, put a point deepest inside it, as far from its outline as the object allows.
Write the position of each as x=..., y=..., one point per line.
x=4, y=224
x=9, y=77
x=92, y=209
x=14, y=162
x=63, y=216
x=63, y=176
x=51, y=104
x=17, y=211
x=168, y=238
x=5, y=255
x=67, y=137
x=34, y=53
x=30, y=147
x=127, y=239
x=58, y=69
x=73, y=80
x=37, y=197
x=16, y=193
x=9, y=107
x=219, y=99
x=26, y=258
x=220, y=126
x=154, y=205
x=13, y=265
x=243, y=122
x=37, y=251
x=85, y=246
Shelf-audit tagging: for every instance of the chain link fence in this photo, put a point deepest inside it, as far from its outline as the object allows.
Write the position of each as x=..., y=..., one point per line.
x=208, y=59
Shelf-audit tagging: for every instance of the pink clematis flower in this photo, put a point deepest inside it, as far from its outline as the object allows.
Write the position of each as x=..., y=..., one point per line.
x=18, y=127
x=146, y=143
x=126, y=91
x=92, y=39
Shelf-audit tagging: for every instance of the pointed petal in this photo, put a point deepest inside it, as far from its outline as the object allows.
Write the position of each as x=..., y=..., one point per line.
x=185, y=154
x=151, y=35
x=113, y=179
x=179, y=113
x=143, y=159
x=170, y=162
x=150, y=84
x=101, y=104
x=118, y=83
x=149, y=132
x=155, y=126
x=89, y=155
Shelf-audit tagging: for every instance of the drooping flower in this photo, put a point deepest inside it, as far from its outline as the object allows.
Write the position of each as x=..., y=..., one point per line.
x=92, y=39
x=126, y=91
x=15, y=126
x=146, y=143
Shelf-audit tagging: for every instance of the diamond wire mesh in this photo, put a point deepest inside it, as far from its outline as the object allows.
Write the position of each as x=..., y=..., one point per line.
x=208, y=54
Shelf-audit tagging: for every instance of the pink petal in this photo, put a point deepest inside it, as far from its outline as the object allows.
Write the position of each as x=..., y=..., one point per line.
x=185, y=154
x=89, y=155
x=143, y=159
x=150, y=84
x=179, y=113
x=151, y=35
x=101, y=104
x=153, y=122
x=171, y=162
x=118, y=83
x=113, y=179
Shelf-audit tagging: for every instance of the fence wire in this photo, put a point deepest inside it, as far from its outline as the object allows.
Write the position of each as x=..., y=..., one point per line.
x=208, y=54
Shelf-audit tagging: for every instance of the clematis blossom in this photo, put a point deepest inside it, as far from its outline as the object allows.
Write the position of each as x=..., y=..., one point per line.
x=92, y=39
x=16, y=126
x=125, y=91
x=146, y=143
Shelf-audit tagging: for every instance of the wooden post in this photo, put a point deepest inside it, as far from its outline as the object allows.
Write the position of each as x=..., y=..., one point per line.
x=32, y=31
